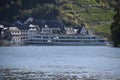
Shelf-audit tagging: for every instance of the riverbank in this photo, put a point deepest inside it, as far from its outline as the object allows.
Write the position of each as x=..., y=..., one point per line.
x=5, y=44
x=8, y=43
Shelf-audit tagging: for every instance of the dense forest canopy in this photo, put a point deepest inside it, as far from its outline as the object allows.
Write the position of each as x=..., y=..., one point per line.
x=115, y=27
x=13, y=9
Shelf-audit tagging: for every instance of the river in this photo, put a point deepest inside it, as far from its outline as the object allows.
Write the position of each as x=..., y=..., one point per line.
x=98, y=62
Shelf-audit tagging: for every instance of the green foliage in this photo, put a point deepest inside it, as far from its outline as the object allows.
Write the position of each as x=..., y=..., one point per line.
x=103, y=30
x=67, y=7
x=96, y=10
x=43, y=9
x=71, y=12
x=46, y=11
x=115, y=28
x=86, y=2
x=107, y=2
x=97, y=15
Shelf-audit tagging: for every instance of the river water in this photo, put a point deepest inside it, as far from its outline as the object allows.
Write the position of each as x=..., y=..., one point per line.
x=100, y=61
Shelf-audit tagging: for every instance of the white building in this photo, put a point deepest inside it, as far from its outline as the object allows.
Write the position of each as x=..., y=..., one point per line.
x=1, y=26
x=83, y=31
x=70, y=31
x=1, y=32
x=24, y=35
x=33, y=30
x=46, y=30
x=16, y=34
x=1, y=29
x=23, y=32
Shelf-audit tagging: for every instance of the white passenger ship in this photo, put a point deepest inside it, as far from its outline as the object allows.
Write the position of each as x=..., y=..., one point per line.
x=75, y=40
x=47, y=37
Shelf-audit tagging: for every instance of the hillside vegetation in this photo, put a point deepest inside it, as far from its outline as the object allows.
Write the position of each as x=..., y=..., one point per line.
x=96, y=14
x=115, y=28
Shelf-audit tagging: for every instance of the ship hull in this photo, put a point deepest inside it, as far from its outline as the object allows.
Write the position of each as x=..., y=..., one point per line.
x=66, y=43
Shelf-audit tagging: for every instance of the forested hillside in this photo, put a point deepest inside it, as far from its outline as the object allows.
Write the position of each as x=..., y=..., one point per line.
x=96, y=14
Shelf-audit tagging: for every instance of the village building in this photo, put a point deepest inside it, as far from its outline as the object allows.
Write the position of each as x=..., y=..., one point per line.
x=16, y=34
x=56, y=26
x=46, y=30
x=1, y=32
x=5, y=34
x=80, y=29
x=1, y=28
x=32, y=31
x=31, y=27
x=70, y=31
x=83, y=31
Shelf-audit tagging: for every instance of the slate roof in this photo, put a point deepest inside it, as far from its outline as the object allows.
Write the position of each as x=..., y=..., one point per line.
x=22, y=27
x=40, y=23
x=5, y=24
x=79, y=27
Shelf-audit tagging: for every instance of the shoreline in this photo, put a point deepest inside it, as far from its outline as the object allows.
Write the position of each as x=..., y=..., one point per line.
x=22, y=44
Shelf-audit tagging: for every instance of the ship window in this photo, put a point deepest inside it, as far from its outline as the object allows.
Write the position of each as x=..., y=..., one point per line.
x=101, y=40
x=61, y=37
x=79, y=37
x=87, y=37
x=83, y=37
x=93, y=37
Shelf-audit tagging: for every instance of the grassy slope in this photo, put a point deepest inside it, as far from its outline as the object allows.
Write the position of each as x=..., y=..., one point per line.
x=97, y=18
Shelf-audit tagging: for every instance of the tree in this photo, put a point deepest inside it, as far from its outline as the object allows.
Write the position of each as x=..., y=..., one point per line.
x=115, y=27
